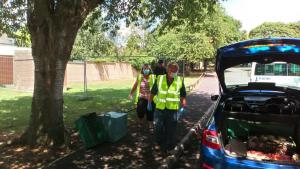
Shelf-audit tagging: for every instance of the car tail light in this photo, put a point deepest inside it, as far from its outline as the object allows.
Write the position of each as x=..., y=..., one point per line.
x=210, y=139
x=206, y=166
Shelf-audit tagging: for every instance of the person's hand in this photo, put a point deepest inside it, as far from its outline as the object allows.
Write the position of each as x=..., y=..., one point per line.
x=183, y=102
x=149, y=106
x=182, y=111
x=130, y=97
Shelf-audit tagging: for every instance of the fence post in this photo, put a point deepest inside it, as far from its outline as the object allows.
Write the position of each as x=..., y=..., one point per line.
x=85, y=79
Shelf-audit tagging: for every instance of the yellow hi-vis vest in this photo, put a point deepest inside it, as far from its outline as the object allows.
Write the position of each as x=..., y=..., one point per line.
x=168, y=97
x=151, y=81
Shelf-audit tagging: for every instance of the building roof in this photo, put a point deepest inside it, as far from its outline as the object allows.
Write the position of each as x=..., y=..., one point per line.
x=8, y=48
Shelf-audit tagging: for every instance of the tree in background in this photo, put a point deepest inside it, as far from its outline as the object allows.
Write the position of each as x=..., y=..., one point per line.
x=135, y=51
x=53, y=26
x=22, y=37
x=181, y=46
x=275, y=29
x=136, y=42
x=134, y=45
x=91, y=41
x=13, y=22
x=295, y=26
x=199, y=41
x=222, y=29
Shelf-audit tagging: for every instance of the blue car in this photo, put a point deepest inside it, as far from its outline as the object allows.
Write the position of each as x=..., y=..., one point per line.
x=255, y=123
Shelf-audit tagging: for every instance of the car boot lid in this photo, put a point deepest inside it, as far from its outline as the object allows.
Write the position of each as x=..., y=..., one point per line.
x=262, y=51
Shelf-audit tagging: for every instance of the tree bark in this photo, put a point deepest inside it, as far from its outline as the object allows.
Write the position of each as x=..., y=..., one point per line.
x=192, y=66
x=205, y=64
x=50, y=52
x=53, y=26
x=187, y=68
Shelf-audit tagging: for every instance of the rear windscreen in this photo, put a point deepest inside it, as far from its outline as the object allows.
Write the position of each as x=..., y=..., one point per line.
x=281, y=73
x=277, y=69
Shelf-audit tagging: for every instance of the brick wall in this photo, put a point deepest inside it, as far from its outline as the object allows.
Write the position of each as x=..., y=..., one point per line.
x=23, y=70
x=18, y=70
x=74, y=72
x=6, y=70
x=99, y=71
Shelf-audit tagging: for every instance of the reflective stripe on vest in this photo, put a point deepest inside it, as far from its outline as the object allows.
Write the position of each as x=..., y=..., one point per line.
x=168, y=97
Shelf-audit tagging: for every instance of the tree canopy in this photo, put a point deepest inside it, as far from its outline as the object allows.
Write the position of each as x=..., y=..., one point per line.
x=136, y=44
x=275, y=29
x=91, y=42
x=199, y=41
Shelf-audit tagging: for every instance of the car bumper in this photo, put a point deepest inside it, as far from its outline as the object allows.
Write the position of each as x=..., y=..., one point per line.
x=217, y=160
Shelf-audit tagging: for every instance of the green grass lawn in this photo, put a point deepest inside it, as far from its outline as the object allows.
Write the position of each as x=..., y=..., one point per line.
x=102, y=97
x=14, y=109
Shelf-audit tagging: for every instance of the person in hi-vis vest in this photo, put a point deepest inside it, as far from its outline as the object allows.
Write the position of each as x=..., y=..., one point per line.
x=168, y=93
x=142, y=86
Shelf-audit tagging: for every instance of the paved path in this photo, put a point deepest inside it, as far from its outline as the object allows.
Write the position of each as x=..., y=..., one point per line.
x=136, y=150
x=198, y=101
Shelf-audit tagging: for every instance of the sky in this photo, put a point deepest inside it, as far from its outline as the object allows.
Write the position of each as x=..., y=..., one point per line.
x=252, y=13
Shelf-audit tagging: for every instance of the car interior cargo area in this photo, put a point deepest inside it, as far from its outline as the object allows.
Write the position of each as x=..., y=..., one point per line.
x=261, y=128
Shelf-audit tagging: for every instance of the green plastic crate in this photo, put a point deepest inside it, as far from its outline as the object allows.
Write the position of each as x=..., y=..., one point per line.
x=115, y=125
x=242, y=129
x=91, y=130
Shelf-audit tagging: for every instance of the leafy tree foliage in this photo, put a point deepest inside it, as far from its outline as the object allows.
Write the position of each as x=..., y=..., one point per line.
x=135, y=45
x=182, y=46
x=137, y=61
x=13, y=21
x=12, y=16
x=91, y=42
x=295, y=26
x=222, y=29
x=275, y=29
x=22, y=37
x=199, y=41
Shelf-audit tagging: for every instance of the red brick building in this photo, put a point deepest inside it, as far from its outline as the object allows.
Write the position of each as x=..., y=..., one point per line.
x=16, y=67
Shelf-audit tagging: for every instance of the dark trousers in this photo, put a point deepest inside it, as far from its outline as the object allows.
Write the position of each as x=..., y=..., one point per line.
x=165, y=122
x=141, y=109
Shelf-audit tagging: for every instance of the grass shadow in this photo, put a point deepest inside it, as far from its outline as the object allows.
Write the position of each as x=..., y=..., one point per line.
x=15, y=113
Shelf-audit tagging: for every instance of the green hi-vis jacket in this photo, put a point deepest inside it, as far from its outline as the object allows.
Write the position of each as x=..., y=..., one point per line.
x=168, y=97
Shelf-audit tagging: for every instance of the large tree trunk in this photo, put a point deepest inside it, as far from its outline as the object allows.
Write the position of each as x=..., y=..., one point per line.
x=53, y=28
x=50, y=50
